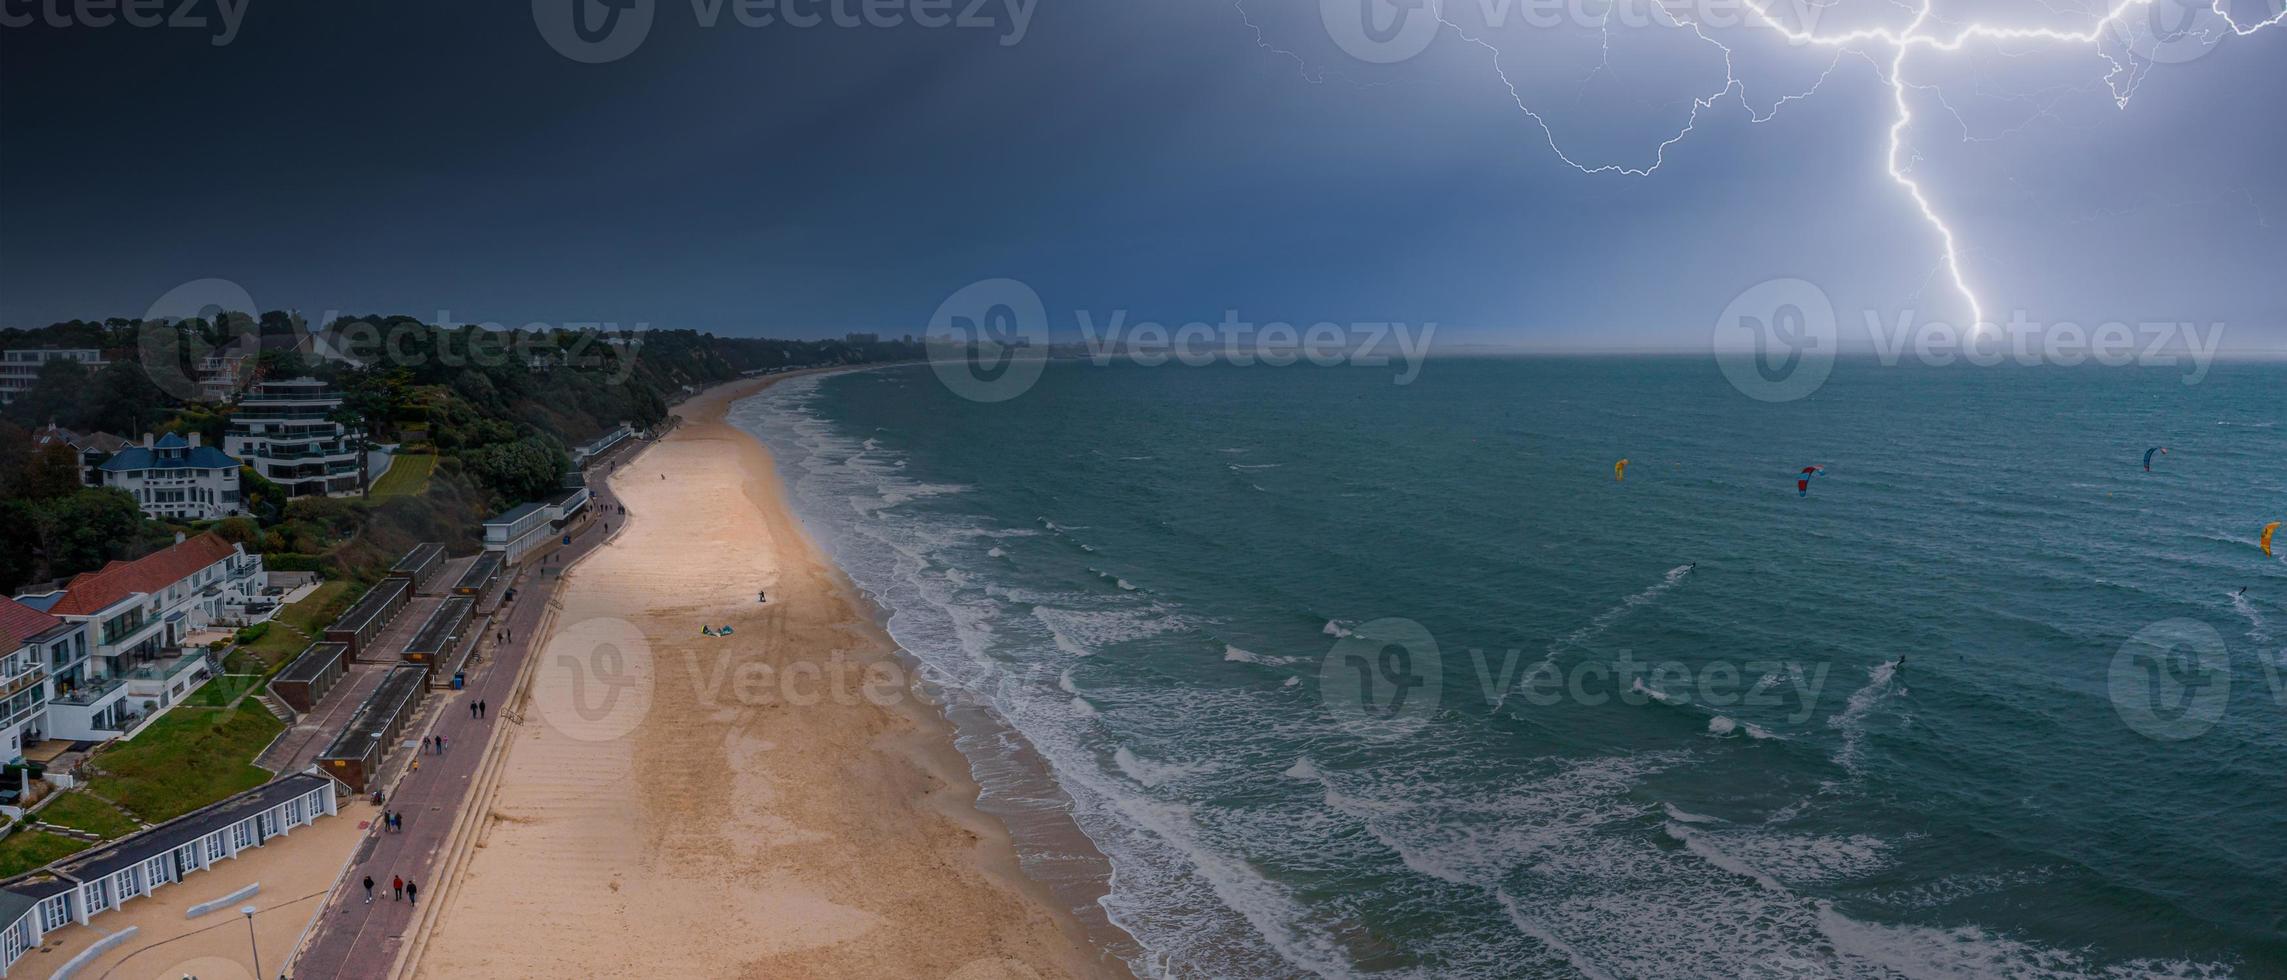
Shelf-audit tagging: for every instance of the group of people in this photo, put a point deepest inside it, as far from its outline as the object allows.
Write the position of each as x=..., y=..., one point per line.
x=400, y=890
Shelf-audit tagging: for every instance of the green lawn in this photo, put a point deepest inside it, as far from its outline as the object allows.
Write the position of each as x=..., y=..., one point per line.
x=408, y=475
x=27, y=849
x=190, y=757
x=80, y=811
x=308, y=618
x=221, y=691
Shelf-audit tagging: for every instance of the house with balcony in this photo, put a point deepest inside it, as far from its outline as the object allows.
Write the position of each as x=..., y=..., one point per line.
x=223, y=374
x=285, y=431
x=32, y=645
x=93, y=448
x=137, y=614
x=20, y=367
x=176, y=479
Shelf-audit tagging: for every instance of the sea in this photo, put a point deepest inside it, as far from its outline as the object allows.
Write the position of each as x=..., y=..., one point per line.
x=1342, y=677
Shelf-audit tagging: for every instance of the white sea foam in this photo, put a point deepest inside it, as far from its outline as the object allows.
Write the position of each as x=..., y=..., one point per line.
x=2256, y=627
x=1236, y=655
x=1851, y=720
x=1608, y=618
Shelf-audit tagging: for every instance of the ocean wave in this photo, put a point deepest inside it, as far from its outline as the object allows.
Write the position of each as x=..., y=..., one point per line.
x=1851, y=720
x=1236, y=655
x=1610, y=617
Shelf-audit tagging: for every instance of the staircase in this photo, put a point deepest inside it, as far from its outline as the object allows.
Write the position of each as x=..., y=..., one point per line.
x=284, y=711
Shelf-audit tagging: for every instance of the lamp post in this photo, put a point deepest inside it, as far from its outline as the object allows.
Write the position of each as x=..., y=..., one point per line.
x=248, y=912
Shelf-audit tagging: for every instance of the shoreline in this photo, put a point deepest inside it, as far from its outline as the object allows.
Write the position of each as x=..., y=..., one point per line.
x=761, y=814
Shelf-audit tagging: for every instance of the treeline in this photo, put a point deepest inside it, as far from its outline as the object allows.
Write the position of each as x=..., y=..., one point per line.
x=500, y=409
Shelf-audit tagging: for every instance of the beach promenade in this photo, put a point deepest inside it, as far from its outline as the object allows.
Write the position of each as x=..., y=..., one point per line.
x=357, y=941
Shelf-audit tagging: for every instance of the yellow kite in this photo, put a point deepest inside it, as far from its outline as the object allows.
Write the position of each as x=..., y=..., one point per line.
x=2266, y=541
x=1620, y=470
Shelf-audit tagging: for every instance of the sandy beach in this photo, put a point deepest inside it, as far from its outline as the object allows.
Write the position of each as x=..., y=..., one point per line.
x=772, y=803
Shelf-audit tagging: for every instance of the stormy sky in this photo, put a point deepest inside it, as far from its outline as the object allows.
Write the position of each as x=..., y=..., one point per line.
x=1173, y=159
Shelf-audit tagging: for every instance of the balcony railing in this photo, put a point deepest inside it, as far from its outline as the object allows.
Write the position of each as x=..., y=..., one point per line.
x=89, y=691
x=166, y=669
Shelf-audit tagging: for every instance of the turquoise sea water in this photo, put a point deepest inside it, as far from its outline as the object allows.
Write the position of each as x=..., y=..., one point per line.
x=1143, y=573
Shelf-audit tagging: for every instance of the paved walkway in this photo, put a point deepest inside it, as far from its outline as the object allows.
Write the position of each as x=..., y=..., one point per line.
x=354, y=940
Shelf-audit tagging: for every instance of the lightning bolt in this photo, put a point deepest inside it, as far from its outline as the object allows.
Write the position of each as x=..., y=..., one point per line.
x=1919, y=34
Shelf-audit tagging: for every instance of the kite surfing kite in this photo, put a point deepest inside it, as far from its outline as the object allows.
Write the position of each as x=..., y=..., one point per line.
x=2265, y=541
x=1803, y=486
x=2162, y=450
x=1620, y=471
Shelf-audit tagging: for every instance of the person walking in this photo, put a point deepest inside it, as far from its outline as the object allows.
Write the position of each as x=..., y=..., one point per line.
x=428, y=745
x=368, y=889
x=480, y=710
x=472, y=711
x=440, y=745
x=413, y=894
x=396, y=888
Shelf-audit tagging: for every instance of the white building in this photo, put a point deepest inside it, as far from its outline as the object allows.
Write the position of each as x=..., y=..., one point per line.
x=284, y=430
x=32, y=644
x=588, y=451
x=20, y=368
x=74, y=891
x=176, y=479
x=137, y=614
x=525, y=527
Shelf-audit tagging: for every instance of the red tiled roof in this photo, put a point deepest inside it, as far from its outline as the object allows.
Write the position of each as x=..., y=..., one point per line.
x=19, y=622
x=92, y=591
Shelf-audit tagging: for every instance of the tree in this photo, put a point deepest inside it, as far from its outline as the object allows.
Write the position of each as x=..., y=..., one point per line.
x=124, y=401
x=89, y=528
x=53, y=472
x=526, y=469
x=239, y=530
x=19, y=544
x=58, y=395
